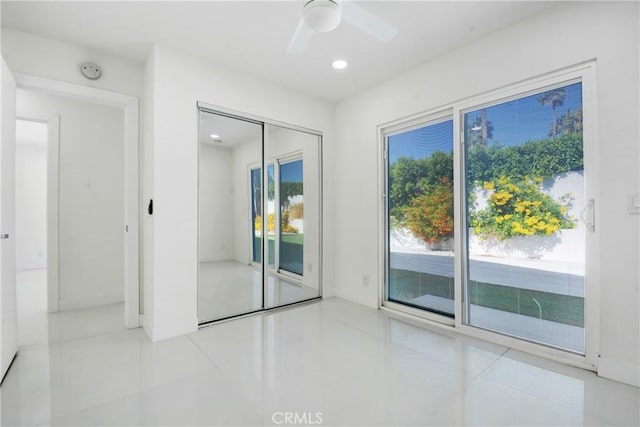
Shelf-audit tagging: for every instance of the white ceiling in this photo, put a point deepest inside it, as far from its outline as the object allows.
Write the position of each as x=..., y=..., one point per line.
x=232, y=132
x=252, y=37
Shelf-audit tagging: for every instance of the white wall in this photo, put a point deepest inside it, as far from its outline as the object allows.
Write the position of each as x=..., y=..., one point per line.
x=31, y=195
x=91, y=197
x=560, y=37
x=243, y=157
x=217, y=189
x=43, y=57
x=179, y=82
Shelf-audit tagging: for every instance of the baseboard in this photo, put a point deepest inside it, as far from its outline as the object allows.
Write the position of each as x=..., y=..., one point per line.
x=176, y=328
x=87, y=302
x=348, y=296
x=619, y=371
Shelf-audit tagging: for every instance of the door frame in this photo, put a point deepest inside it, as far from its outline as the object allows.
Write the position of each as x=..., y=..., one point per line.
x=130, y=106
x=53, y=211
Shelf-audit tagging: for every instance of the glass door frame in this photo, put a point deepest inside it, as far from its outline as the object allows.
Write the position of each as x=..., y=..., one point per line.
x=584, y=73
x=265, y=123
x=427, y=119
x=276, y=162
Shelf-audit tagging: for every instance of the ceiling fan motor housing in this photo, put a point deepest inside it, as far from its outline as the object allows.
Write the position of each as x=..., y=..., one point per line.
x=321, y=15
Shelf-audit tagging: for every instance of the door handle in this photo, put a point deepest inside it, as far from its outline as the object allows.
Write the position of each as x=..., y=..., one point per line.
x=588, y=215
x=4, y=236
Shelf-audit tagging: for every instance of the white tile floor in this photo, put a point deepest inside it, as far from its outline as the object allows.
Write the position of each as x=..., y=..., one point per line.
x=229, y=288
x=352, y=364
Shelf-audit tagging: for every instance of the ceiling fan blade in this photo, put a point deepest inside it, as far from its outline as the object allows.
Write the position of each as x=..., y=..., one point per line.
x=301, y=38
x=367, y=22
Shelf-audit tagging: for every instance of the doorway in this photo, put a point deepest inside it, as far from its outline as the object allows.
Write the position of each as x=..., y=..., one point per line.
x=116, y=186
x=32, y=179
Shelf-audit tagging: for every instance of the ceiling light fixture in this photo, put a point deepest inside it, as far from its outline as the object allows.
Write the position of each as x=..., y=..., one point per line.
x=339, y=64
x=321, y=15
x=214, y=136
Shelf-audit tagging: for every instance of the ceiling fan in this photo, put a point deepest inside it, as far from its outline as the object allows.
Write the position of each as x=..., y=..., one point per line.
x=325, y=15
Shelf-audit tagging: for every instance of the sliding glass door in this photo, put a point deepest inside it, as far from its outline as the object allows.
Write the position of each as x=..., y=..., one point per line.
x=489, y=214
x=525, y=189
x=420, y=235
x=256, y=214
x=291, y=217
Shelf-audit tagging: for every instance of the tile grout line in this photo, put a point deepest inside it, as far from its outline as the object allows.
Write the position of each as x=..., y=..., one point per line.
x=200, y=350
x=128, y=396
x=490, y=365
x=70, y=340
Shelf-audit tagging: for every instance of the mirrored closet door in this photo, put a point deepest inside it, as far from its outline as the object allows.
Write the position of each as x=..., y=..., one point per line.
x=259, y=216
x=229, y=274
x=293, y=206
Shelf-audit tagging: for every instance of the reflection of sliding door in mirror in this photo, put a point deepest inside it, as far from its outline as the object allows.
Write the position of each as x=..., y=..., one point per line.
x=230, y=211
x=256, y=215
x=291, y=217
x=293, y=204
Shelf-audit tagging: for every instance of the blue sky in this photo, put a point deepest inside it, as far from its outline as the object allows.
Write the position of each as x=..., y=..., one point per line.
x=291, y=172
x=420, y=143
x=524, y=119
x=514, y=123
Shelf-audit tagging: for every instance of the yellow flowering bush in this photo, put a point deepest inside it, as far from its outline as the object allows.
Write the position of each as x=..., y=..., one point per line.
x=285, y=227
x=519, y=209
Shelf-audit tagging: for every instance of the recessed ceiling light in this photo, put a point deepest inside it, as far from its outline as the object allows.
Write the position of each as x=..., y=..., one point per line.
x=339, y=64
x=214, y=136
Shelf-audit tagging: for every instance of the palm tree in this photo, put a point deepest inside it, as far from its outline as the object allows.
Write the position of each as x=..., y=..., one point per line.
x=555, y=98
x=481, y=130
x=570, y=122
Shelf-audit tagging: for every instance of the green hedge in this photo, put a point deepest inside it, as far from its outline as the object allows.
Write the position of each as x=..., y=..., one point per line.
x=408, y=177
x=544, y=158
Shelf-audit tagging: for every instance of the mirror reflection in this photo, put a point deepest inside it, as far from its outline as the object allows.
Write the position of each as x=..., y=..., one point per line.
x=293, y=206
x=243, y=223
x=229, y=281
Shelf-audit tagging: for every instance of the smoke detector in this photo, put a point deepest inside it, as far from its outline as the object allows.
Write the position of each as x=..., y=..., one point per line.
x=90, y=70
